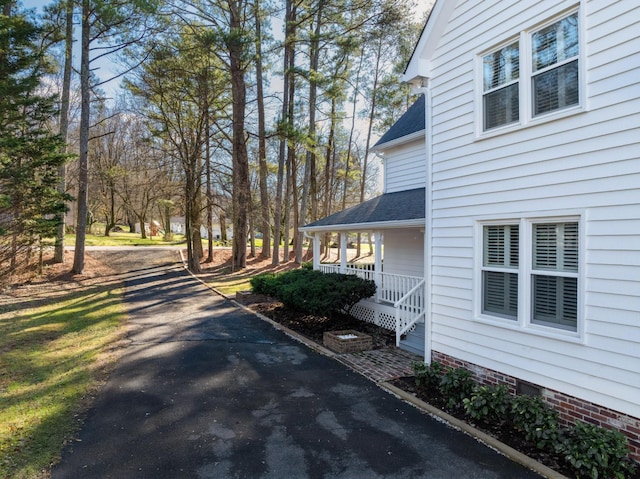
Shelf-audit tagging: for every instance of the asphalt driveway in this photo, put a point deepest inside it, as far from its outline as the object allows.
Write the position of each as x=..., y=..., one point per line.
x=205, y=389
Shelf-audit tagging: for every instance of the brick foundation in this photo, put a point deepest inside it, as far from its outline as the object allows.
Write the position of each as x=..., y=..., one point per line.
x=570, y=409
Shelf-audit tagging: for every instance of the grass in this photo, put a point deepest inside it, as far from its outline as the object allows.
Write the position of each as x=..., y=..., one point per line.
x=52, y=356
x=125, y=239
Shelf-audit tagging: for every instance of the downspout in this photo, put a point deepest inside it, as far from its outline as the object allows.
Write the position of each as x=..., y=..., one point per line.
x=424, y=88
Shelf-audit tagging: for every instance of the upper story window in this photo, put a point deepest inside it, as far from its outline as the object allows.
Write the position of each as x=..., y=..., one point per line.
x=555, y=52
x=536, y=74
x=501, y=74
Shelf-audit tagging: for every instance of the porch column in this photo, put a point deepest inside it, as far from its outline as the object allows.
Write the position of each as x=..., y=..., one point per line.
x=316, y=250
x=377, y=265
x=343, y=252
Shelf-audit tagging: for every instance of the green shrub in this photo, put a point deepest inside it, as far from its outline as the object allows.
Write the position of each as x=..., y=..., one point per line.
x=537, y=420
x=265, y=283
x=455, y=385
x=488, y=403
x=596, y=452
x=314, y=292
x=427, y=376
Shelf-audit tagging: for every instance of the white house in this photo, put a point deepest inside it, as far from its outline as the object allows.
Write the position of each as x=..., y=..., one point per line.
x=532, y=205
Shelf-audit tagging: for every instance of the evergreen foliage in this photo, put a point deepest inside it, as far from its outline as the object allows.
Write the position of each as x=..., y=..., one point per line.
x=29, y=153
x=314, y=292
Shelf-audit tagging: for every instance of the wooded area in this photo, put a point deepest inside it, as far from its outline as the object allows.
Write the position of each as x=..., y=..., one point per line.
x=254, y=113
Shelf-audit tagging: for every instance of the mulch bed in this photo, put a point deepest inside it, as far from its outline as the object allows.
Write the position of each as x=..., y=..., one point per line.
x=313, y=327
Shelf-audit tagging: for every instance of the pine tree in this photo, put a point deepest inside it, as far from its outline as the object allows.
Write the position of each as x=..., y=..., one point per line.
x=29, y=153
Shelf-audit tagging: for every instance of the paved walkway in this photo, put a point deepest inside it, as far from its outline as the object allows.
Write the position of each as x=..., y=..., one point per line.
x=206, y=389
x=381, y=364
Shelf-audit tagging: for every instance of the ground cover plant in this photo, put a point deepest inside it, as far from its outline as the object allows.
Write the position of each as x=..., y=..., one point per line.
x=527, y=423
x=58, y=336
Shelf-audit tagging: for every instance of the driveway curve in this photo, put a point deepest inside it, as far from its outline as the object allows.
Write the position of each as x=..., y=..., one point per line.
x=205, y=389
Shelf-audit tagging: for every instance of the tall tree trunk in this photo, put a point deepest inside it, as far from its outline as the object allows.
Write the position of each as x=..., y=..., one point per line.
x=241, y=191
x=291, y=195
x=372, y=111
x=347, y=167
x=310, y=160
x=207, y=149
x=285, y=125
x=263, y=170
x=83, y=164
x=58, y=255
x=329, y=172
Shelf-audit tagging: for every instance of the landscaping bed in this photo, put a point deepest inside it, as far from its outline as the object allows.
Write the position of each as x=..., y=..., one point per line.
x=313, y=326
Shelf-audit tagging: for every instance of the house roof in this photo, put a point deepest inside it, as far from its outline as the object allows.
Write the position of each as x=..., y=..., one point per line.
x=413, y=121
x=402, y=208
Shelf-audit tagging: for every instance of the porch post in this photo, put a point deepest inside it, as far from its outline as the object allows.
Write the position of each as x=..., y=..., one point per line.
x=316, y=250
x=377, y=266
x=343, y=252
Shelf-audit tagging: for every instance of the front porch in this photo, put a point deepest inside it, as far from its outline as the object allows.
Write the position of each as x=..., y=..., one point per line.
x=399, y=302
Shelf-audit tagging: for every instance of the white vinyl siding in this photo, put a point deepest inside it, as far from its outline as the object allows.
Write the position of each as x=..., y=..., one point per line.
x=584, y=165
x=405, y=167
x=404, y=252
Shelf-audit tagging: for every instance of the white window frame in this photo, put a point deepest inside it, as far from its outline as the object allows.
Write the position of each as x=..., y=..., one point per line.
x=526, y=116
x=524, y=321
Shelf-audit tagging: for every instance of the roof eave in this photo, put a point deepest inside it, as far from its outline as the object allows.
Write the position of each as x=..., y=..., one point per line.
x=379, y=225
x=419, y=66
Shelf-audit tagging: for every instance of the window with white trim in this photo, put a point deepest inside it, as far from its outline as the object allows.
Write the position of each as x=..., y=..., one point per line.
x=500, y=270
x=548, y=81
x=500, y=98
x=544, y=288
x=554, y=275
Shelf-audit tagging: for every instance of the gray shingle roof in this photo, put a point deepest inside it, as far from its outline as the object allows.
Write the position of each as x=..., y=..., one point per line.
x=391, y=207
x=412, y=121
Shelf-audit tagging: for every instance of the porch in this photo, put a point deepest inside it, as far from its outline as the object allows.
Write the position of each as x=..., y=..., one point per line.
x=396, y=222
x=399, y=302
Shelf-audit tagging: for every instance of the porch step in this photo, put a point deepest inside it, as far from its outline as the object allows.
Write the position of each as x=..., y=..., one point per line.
x=414, y=341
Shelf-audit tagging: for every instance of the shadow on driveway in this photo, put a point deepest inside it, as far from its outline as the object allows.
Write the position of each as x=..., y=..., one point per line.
x=207, y=390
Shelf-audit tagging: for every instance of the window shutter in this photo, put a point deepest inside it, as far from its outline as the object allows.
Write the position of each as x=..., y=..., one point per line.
x=570, y=244
x=500, y=293
x=545, y=239
x=555, y=300
x=501, y=245
x=556, y=89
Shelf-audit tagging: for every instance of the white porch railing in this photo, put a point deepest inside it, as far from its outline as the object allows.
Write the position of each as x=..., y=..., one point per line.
x=409, y=310
x=406, y=293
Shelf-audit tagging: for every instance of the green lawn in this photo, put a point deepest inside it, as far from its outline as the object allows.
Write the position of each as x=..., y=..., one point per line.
x=51, y=357
x=125, y=239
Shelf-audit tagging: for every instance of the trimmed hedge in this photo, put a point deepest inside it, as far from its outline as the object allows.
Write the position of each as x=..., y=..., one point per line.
x=314, y=292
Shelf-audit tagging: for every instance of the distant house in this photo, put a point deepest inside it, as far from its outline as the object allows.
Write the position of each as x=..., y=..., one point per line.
x=530, y=160
x=177, y=226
